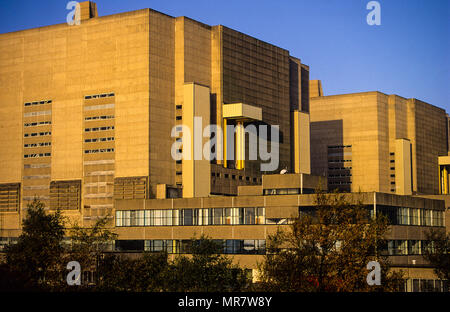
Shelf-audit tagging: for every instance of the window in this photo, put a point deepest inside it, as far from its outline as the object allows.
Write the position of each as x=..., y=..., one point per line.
x=228, y=216
x=9, y=197
x=99, y=117
x=438, y=218
x=29, y=145
x=99, y=129
x=425, y=219
x=39, y=113
x=96, y=96
x=403, y=216
x=38, y=103
x=40, y=123
x=108, y=139
x=95, y=107
x=187, y=217
x=249, y=217
x=397, y=247
x=283, y=191
x=102, y=150
x=37, y=155
x=217, y=216
x=414, y=247
x=260, y=215
x=45, y=133
x=414, y=216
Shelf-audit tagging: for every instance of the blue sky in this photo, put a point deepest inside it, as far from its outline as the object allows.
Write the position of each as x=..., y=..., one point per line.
x=408, y=54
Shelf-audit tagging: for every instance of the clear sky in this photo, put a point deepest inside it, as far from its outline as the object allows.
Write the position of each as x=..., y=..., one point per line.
x=408, y=54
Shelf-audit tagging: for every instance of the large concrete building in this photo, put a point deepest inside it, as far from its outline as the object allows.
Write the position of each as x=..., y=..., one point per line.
x=91, y=115
x=88, y=111
x=371, y=141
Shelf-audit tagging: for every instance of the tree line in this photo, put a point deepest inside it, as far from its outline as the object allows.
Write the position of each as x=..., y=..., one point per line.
x=325, y=250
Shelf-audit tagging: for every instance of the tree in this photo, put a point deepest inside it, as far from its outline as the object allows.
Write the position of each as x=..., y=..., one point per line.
x=328, y=249
x=88, y=244
x=437, y=253
x=122, y=273
x=206, y=270
x=38, y=252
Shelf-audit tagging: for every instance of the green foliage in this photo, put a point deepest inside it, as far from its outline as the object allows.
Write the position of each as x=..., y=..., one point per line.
x=438, y=253
x=206, y=270
x=141, y=274
x=38, y=252
x=328, y=250
x=38, y=261
x=88, y=244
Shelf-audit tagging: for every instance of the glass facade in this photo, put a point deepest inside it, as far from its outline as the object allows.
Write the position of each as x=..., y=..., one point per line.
x=412, y=216
x=427, y=285
x=189, y=217
x=177, y=246
x=405, y=247
x=288, y=191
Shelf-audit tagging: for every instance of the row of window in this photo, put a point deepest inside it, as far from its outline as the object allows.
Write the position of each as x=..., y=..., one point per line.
x=339, y=183
x=36, y=187
x=40, y=123
x=4, y=241
x=37, y=155
x=99, y=128
x=339, y=146
x=288, y=191
x=339, y=154
x=101, y=106
x=41, y=144
x=408, y=247
x=100, y=150
x=99, y=117
x=228, y=246
x=45, y=133
x=428, y=285
x=233, y=176
x=97, y=96
x=99, y=140
x=340, y=175
x=38, y=176
x=38, y=103
x=412, y=216
x=181, y=217
x=40, y=113
x=26, y=166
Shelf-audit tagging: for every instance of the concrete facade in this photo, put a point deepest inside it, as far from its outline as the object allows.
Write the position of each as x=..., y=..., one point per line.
x=96, y=104
x=88, y=115
x=362, y=132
